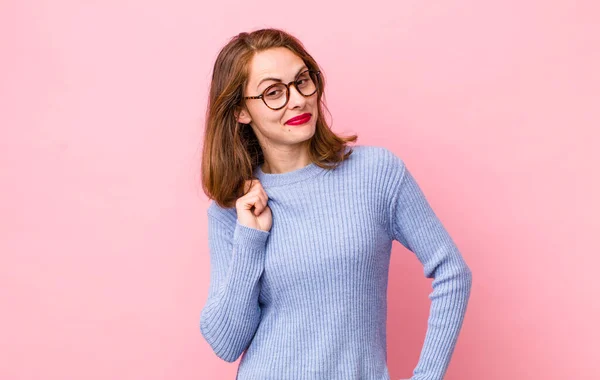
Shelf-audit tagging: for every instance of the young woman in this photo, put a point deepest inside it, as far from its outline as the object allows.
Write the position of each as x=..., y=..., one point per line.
x=301, y=226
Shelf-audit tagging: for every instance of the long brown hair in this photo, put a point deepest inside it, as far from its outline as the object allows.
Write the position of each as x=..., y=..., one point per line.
x=231, y=150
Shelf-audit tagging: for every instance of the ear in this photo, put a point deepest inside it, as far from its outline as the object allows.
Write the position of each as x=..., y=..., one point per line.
x=242, y=115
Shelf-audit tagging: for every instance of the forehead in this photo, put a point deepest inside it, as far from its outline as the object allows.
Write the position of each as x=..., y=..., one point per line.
x=277, y=62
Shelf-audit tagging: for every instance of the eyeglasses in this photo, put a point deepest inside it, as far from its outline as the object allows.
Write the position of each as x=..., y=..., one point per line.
x=277, y=95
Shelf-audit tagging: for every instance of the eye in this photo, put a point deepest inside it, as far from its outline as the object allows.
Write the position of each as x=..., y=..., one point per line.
x=274, y=92
x=303, y=79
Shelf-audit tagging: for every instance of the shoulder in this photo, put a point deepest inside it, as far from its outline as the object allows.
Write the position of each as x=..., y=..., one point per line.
x=227, y=216
x=379, y=160
x=373, y=152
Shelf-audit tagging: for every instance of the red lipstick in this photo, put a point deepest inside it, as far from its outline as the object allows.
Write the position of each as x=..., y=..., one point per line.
x=300, y=119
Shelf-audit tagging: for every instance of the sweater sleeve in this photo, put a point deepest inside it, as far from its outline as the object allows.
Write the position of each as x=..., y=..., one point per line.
x=232, y=313
x=415, y=225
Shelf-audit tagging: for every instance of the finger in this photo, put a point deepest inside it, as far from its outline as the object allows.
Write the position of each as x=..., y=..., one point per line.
x=258, y=205
x=264, y=198
x=247, y=185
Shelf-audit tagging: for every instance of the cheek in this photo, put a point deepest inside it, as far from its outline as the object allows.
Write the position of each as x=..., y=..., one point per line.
x=265, y=117
x=314, y=105
x=270, y=121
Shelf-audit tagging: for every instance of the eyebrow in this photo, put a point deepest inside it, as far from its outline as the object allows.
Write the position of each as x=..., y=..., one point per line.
x=279, y=80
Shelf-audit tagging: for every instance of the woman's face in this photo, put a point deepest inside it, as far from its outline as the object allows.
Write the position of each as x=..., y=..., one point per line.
x=270, y=125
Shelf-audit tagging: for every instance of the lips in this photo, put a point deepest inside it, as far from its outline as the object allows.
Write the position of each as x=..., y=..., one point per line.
x=300, y=119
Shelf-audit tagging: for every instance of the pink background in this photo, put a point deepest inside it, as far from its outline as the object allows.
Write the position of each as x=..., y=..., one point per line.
x=495, y=106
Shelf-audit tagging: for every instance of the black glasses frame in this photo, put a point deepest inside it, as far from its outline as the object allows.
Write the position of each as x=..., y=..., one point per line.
x=287, y=89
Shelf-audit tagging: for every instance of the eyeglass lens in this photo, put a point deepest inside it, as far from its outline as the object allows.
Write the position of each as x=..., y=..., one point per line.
x=275, y=96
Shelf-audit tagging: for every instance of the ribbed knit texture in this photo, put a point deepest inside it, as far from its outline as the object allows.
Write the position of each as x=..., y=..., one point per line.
x=307, y=300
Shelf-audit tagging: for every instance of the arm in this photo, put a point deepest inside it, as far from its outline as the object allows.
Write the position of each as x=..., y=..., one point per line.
x=414, y=224
x=231, y=314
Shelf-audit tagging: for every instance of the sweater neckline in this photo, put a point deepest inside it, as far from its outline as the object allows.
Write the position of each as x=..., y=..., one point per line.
x=287, y=178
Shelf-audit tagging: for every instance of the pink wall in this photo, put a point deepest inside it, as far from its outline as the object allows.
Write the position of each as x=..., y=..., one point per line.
x=104, y=263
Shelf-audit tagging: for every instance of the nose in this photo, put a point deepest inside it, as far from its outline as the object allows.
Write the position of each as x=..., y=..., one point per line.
x=296, y=98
